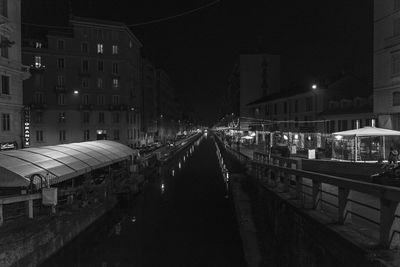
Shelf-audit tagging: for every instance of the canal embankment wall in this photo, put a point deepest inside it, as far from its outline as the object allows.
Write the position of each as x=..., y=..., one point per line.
x=290, y=236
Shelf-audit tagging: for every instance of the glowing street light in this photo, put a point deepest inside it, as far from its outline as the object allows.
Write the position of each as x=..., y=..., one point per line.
x=314, y=86
x=76, y=92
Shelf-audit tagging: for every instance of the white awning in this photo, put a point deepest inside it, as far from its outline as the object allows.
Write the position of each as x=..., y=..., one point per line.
x=60, y=162
x=368, y=131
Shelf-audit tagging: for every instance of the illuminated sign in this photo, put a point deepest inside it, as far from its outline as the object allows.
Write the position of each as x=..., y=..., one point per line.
x=27, y=127
x=6, y=146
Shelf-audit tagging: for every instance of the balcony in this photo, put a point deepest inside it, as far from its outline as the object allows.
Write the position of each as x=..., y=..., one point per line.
x=60, y=88
x=37, y=68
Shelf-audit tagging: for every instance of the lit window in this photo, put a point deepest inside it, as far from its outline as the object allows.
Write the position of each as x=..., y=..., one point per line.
x=61, y=99
x=100, y=49
x=60, y=63
x=115, y=49
x=38, y=45
x=115, y=68
x=5, y=85
x=115, y=82
x=60, y=44
x=99, y=83
x=6, y=122
x=115, y=99
x=38, y=61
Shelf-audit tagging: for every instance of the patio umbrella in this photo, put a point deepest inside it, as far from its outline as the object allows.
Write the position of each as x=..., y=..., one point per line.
x=368, y=131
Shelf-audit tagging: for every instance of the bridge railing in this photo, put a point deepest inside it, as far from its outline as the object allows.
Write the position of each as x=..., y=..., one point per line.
x=369, y=203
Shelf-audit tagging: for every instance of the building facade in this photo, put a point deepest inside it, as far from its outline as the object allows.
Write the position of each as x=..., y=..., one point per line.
x=387, y=63
x=85, y=84
x=149, y=114
x=12, y=73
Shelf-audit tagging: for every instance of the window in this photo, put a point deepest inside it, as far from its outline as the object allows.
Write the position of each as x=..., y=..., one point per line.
x=396, y=98
x=85, y=82
x=309, y=104
x=86, y=117
x=84, y=47
x=85, y=65
x=100, y=65
x=100, y=100
x=38, y=45
x=38, y=117
x=115, y=99
x=116, y=134
x=115, y=68
x=5, y=85
x=39, y=98
x=116, y=117
x=296, y=106
x=60, y=63
x=60, y=80
x=115, y=49
x=5, y=124
x=86, y=135
x=62, y=135
x=100, y=49
x=38, y=61
x=61, y=117
x=4, y=46
x=60, y=44
x=115, y=82
x=39, y=136
x=101, y=117
x=285, y=107
x=275, y=108
x=396, y=64
x=4, y=8
x=99, y=83
x=61, y=99
x=130, y=44
x=85, y=99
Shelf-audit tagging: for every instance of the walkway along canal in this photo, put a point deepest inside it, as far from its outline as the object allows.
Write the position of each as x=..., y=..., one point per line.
x=182, y=218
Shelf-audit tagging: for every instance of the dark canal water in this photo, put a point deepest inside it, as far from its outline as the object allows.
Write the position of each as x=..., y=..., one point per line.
x=182, y=218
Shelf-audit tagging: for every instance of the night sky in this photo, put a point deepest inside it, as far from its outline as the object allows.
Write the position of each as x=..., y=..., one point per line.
x=314, y=39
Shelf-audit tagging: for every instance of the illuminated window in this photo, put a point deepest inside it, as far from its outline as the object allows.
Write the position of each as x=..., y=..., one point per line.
x=38, y=45
x=5, y=85
x=115, y=82
x=5, y=122
x=38, y=61
x=100, y=49
x=115, y=49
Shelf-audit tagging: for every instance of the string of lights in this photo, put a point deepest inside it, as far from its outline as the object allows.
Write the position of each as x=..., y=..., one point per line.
x=135, y=24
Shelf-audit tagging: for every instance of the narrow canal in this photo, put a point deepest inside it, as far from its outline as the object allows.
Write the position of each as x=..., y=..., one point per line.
x=182, y=218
